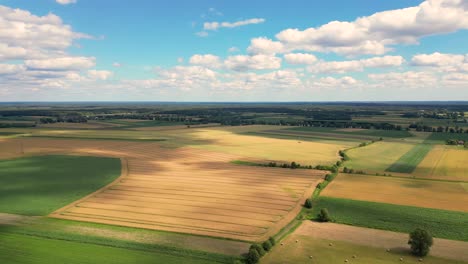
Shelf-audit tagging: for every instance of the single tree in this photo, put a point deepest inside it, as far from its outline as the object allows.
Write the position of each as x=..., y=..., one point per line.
x=420, y=242
x=308, y=203
x=324, y=216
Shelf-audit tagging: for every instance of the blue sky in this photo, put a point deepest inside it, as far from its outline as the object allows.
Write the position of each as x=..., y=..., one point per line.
x=265, y=50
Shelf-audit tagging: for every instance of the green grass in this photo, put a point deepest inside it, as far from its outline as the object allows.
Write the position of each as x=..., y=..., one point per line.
x=441, y=138
x=223, y=250
x=17, y=248
x=41, y=184
x=322, y=253
x=441, y=223
x=410, y=160
x=147, y=123
x=367, y=132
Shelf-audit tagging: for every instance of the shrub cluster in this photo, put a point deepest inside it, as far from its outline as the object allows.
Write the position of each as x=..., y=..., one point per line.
x=324, y=216
x=257, y=251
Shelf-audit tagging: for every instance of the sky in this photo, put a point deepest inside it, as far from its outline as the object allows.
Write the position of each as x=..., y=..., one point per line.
x=215, y=50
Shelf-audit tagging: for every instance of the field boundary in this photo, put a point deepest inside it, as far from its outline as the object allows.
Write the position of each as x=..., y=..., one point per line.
x=123, y=174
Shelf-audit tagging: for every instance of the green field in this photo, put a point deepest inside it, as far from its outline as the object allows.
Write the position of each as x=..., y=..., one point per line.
x=440, y=138
x=144, y=123
x=441, y=223
x=365, y=132
x=322, y=253
x=376, y=157
x=410, y=160
x=41, y=184
x=17, y=248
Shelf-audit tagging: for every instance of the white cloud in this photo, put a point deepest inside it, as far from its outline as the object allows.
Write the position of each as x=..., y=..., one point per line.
x=300, y=58
x=66, y=2
x=117, y=64
x=409, y=79
x=61, y=64
x=207, y=60
x=330, y=82
x=218, y=25
x=8, y=69
x=26, y=35
x=356, y=65
x=233, y=49
x=264, y=46
x=376, y=34
x=437, y=59
x=99, y=75
x=256, y=62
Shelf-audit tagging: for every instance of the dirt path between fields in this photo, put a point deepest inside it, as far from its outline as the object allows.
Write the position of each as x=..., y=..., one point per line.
x=444, y=248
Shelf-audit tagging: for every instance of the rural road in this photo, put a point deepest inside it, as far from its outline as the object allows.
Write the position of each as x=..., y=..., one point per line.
x=444, y=248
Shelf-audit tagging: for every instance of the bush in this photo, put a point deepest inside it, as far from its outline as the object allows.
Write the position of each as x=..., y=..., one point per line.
x=253, y=256
x=324, y=216
x=259, y=249
x=272, y=241
x=308, y=203
x=267, y=245
x=420, y=242
x=329, y=177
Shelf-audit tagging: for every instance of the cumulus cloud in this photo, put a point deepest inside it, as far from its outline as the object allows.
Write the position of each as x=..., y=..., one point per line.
x=99, y=75
x=256, y=62
x=377, y=33
x=300, y=58
x=207, y=60
x=409, y=79
x=356, y=65
x=61, y=64
x=265, y=46
x=330, y=82
x=218, y=25
x=65, y=2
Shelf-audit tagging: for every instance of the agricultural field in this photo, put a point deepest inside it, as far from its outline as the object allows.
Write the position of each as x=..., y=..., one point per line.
x=17, y=248
x=365, y=133
x=262, y=148
x=377, y=157
x=403, y=191
x=398, y=218
x=42, y=184
x=183, y=190
x=333, y=243
x=410, y=160
x=444, y=163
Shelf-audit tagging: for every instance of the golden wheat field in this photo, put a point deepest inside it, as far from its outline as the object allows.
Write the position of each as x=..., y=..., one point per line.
x=183, y=190
x=261, y=148
x=446, y=163
x=414, y=192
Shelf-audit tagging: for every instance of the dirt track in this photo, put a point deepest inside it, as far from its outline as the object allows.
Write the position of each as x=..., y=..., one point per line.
x=182, y=190
x=443, y=248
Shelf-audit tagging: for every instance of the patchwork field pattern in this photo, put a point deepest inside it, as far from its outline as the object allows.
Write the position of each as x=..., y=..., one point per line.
x=183, y=190
x=421, y=193
x=378, y=156
x=445, y=163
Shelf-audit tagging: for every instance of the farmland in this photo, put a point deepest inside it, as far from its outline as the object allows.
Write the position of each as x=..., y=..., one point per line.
x=403, y=191
x=36, y=250
x=40, y=185
x=335, y=243
x=445, y=163
x=173, y=183
x=191, y=196
x=378, y=156
x=442, y=223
